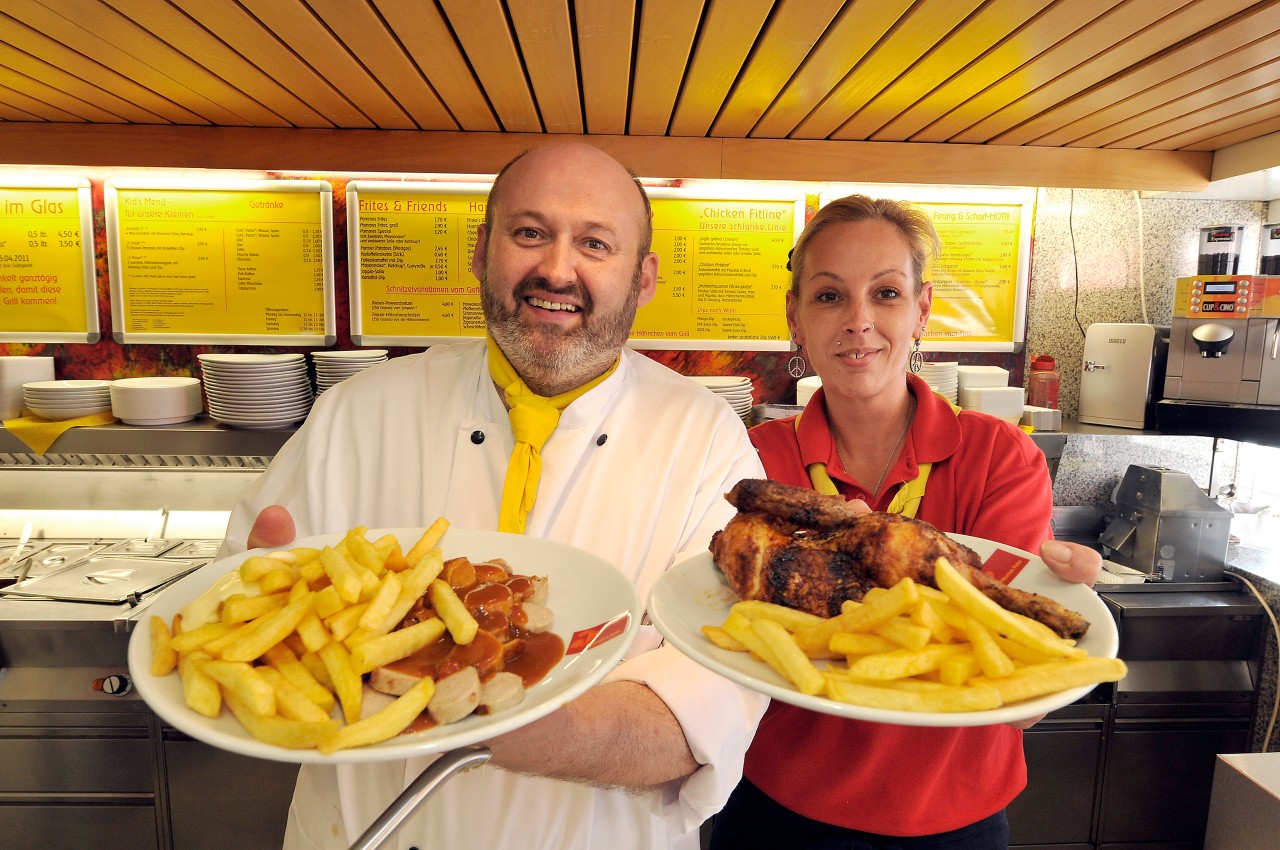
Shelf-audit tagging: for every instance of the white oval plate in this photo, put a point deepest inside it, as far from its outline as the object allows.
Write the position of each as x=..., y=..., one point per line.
x=694, y=593
x=585, y=592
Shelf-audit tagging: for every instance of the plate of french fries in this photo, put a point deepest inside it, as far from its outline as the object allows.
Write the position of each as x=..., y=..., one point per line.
x=910, y=655
x=267, y=653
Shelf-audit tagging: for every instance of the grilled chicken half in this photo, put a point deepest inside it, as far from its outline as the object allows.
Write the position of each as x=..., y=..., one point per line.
x=805, y=550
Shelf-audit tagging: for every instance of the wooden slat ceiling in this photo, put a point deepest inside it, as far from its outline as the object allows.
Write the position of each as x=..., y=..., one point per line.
x=1169, y=75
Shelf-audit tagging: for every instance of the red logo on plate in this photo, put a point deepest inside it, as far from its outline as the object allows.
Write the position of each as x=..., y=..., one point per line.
x=596, y=635
x=1004, y=565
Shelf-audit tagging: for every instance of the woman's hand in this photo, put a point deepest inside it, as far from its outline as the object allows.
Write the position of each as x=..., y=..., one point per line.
x=1071, y=561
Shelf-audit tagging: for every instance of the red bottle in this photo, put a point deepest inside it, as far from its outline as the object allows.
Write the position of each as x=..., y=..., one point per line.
x=1042, y=389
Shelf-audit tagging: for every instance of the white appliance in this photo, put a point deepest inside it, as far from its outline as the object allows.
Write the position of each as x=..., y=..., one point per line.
x=1123, y=366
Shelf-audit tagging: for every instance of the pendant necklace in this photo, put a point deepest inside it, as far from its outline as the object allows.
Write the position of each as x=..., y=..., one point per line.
x=902, y=439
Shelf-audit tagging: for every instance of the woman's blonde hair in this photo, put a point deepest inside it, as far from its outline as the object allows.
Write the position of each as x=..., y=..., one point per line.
x=916, y=227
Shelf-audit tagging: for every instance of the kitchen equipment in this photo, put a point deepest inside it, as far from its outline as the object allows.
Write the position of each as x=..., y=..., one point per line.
x=1165, y=526
x=1224, y=343
x=1120, y=373
x=1220, y=249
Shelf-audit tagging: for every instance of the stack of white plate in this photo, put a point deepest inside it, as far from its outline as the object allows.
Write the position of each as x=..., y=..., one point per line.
x=335, y=366
x=155, y=401
x=942, y=378
x=66, y=399
x=257, y=390
x=734, y=389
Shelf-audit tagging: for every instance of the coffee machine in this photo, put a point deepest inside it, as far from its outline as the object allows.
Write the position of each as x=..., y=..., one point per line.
x=1224, y=340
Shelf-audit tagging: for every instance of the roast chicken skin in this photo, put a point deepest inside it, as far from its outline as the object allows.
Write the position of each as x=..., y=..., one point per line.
x=805, y=550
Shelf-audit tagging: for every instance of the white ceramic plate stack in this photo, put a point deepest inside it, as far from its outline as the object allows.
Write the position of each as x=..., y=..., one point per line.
x=942, y=378
x=734, y=389
x=333, y=367
x=156, y=401
x=66, y=399
x=257, y=390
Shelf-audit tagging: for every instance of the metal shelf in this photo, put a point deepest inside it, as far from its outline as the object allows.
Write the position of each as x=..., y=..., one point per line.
x=200, y=437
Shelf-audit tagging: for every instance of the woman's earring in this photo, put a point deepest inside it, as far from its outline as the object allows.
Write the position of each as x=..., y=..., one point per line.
x=916, y=361
x=796, y=367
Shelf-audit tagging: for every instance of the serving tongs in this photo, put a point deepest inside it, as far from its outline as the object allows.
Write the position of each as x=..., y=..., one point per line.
x=17, y=553
x=416, y=794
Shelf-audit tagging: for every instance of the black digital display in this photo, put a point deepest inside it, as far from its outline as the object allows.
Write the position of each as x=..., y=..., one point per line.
x=1217, y=288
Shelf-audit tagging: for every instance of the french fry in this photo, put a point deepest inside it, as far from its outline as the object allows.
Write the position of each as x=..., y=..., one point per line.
x=739, y=628
x=200, y=692
x=958, y=669
x=790, y=618
x=291, y=701
x=268, y=631
x=278, y=580
x=903, y=632
x=345, y=621
x=164, y=658
x=279, y=731
x=991, y=658
x=926, y=614
x=428, y=541
x=193, y=639
x=257, y=566
x=364, y=553
x=1040, y=679
x=218, y=644
x=897, y=699
x=241, y=609
x=382, y=602
x=860, y=643
x=312, y=632
x=901, y=663
x=795, y=665
x=328, y=602
x=383, y=724
x=317, y=669
x=457, y=619
x=342, y=574
x=877, y=609
x=281, y=658
x=401, y=643
x=413, y=583
x=723, y=639
x=244, y=682
x=346, y=682
x=1016, y=627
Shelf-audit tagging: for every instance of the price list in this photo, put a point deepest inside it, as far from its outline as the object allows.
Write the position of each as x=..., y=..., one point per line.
x=47, y=283
x=975, y=291
x=722, y=277
x=250, y=264
x=410, y=266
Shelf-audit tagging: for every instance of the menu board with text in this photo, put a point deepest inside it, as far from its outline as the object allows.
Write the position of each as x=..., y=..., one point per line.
x=48, y=288
x=980, y=279
x=722, y=273
x=237, y=263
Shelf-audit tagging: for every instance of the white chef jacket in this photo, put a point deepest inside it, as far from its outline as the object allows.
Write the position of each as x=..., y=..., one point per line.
x=635, y=472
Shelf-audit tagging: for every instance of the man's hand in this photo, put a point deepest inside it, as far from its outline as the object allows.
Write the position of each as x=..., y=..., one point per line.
x=1071, y=561
x=273, y=528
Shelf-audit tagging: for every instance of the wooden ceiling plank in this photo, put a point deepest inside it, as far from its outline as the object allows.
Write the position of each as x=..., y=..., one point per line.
x=74, y=108
x=481, y=26
x=545, y=35
x=1265, y=127
x=428, y=41
x=606, y=32
x=724, y=43
x=1221, y=126
x=41, y=109
x=161, y=39
x=788, y=39
x=667, y=31
x=1231, y=47
x=360, y=27
x=919, y=31
x=1227, y=110
x=1042, y=32
x=850, y=37
x=228, y=21
x=193, y=41
x=1106, y=48
x=294, y=24
x=993, y=22
x=14, y=114
x=1176, y=105
x=74, y=87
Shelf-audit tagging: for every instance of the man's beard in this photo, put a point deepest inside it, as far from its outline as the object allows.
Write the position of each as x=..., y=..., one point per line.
x=550, y=359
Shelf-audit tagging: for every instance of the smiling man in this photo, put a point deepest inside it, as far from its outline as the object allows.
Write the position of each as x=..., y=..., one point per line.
x=552, y=429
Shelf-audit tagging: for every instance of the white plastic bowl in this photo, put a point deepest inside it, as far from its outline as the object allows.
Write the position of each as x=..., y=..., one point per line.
x=155, y=401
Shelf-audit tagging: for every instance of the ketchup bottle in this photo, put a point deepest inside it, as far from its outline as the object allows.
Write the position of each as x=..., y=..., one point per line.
x=1043, y=386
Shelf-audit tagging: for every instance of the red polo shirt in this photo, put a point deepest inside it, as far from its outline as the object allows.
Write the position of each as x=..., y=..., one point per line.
x=988, y=480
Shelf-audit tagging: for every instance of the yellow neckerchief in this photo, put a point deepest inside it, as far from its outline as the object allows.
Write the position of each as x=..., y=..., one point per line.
x=906, y=501
x=533, y=418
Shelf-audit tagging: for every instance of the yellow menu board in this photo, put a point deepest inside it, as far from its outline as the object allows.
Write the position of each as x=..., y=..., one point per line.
x=237, y=263
x=409, y=261
x=980, y=279
x=48, y=289
x=722, y=273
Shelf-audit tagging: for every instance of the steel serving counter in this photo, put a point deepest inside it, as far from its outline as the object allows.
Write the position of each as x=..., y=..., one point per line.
x=83, y=761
